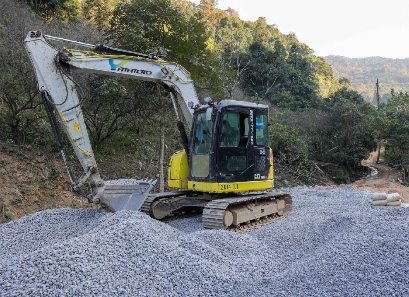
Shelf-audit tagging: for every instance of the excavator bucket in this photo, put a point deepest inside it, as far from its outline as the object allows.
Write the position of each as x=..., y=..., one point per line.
x=126, y=194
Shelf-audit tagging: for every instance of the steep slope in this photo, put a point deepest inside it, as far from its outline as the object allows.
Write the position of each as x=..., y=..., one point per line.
x=32, y=180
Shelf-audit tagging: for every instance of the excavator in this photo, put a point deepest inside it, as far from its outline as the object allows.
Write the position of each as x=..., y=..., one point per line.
x=225, y=169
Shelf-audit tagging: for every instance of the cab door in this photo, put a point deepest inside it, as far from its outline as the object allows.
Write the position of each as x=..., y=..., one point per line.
x=233, y=153
x=260, y=144
x=200, y=147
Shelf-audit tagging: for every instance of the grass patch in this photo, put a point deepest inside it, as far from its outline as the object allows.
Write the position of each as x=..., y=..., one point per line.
x=17, y=200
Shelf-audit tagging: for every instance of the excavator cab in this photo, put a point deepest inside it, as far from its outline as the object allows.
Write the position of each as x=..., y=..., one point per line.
x=228, y=149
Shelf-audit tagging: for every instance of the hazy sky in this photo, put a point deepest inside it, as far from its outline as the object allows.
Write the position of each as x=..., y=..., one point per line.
x=351, y=28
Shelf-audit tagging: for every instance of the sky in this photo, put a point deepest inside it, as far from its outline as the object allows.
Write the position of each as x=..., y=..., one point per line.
x=350, y=28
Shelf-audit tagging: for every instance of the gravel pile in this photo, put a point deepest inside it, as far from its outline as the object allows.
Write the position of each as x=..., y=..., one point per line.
x=333, y=244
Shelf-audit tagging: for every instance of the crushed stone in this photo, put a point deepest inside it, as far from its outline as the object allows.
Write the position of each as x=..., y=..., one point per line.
x=332, y=244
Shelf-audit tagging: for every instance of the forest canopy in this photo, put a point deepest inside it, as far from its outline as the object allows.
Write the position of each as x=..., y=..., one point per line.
x=314, y=116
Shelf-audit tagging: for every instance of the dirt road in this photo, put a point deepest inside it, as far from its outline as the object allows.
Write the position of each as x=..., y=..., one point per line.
x=385, y=181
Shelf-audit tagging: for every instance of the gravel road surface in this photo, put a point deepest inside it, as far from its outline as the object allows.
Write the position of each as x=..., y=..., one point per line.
x=333, y=244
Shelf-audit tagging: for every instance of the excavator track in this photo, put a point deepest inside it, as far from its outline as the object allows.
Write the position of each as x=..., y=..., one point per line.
x=241, y=214
x=238, y=213
x=146, y=206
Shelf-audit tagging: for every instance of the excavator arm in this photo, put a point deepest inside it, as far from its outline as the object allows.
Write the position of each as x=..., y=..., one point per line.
x=59, y=91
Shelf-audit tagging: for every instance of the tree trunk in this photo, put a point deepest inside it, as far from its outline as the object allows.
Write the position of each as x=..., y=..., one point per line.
x=379, y=152
x=15, y=133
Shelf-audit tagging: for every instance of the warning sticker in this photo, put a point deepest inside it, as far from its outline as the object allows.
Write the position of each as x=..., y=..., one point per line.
x=77, y=127
x=259, y=124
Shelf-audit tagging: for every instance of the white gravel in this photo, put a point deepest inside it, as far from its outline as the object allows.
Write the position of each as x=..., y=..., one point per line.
x=333, y=244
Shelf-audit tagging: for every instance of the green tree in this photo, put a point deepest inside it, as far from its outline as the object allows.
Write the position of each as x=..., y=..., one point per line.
x=99, y=12
x=303, y=85
x=345, y=82
x=266, y=72
x=61, y=10
x=264, y=33
x=343, y=94
x=124, y=98
x=18, y=90
x=231, y=41
x=286, y=79
x=327, y=81
x=396, y=118
x=347, y=137
x=286, y=142
x=352, y=138
x=162, y=28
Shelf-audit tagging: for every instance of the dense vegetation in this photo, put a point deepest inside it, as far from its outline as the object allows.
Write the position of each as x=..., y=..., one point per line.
x=363, y=73
x=315, y=116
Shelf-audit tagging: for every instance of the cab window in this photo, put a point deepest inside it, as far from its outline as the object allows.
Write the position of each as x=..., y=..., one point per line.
x=235, y=129
x=261, y=129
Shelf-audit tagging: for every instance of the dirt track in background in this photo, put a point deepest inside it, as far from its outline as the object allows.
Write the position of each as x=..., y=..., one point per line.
x=384, y=182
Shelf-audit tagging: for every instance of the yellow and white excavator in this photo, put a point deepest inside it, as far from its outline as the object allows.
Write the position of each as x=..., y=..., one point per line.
x=225, y=168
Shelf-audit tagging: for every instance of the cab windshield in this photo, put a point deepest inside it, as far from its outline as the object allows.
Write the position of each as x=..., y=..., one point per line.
x=203, y=134
x=201, y=145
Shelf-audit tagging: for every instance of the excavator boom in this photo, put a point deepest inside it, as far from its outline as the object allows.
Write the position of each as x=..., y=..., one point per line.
x=59, y=92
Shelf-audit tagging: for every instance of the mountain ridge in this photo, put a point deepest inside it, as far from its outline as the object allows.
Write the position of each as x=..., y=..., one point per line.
x=364, y=72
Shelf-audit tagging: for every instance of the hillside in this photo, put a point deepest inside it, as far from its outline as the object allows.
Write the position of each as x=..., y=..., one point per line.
x=363, y=72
